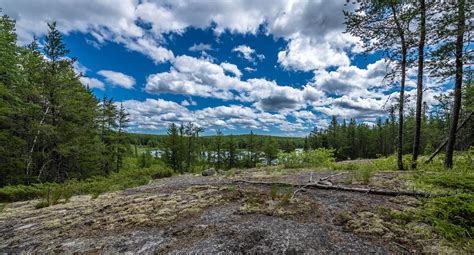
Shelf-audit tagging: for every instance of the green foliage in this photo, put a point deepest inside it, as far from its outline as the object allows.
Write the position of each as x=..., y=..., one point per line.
x=52, y=128
x=42, y=204
x=145, y=160
x=232, y=188
x=320, y=157
x=363, y=175
x=274, y=192
x=271, y=150
x=54, y=192
x=282, y=193
x=452, y=216
x=458, y=181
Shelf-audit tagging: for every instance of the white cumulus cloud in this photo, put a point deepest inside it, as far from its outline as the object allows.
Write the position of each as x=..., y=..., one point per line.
x=118, y=79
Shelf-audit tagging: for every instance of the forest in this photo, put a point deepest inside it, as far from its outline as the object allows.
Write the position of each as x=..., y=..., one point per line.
x=58, y=139
x=54, y=129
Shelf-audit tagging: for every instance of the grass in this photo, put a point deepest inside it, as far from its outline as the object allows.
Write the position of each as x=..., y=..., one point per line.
x=450, y=216
x=232, y=188
x=281, y=193
x=52, y=193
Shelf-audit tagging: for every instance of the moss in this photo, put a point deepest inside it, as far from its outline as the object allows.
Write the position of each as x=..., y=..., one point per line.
x=342, y=218
x=399, y=216
x=367, y=223
x=406, y=200
x=279, y=205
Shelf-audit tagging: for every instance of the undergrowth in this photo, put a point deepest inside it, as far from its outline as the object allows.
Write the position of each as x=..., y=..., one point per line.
x=451, y=216
x=281, y=193
x=52, y=193
x=321, y=157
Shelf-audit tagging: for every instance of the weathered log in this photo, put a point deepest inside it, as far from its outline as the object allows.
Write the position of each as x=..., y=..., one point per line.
x=392, y=193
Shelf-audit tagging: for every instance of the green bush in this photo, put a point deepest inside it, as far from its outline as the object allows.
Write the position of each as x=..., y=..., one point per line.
x=21, y=192
x=290, y=160
x=42, y=204
x=53, y=192
x=320, y=157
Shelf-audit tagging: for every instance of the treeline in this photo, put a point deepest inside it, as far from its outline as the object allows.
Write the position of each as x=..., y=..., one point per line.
x=431, y=35
x=52, y=128
x=184, y=150
x=352, y=139
x=206, y=142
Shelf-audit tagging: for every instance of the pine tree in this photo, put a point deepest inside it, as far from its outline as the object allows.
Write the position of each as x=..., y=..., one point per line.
x=232, y=152
x=419, y=83
x=172, y=148
x=122, y=124
x=218, y=149
x=383, y=26
x=251, y=150
x=270, y=149
x=11, y=141
x=459, y=48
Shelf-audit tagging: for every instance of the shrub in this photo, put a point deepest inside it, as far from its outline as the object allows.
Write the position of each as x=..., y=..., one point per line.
x=53, y=192
x=290, y=160
x=320, y=157
x=42, y=204
x=452, y=216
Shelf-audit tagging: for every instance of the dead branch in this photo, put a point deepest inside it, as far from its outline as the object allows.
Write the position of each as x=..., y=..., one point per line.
x=446, y=140
x=349, y=189
x=330, y=176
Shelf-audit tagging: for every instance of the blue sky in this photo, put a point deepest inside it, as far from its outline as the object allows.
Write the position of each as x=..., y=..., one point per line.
x=277, y=68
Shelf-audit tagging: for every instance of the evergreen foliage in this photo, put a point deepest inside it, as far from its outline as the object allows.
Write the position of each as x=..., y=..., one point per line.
x=52, y=128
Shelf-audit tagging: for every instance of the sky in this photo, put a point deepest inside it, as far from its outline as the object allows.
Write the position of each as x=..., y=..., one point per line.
x=273, y=67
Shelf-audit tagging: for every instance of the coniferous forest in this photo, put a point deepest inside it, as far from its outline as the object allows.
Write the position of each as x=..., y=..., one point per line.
x=52, y=127
x=218, y=157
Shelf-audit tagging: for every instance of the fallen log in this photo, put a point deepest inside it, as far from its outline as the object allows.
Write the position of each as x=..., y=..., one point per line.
x=392, y=193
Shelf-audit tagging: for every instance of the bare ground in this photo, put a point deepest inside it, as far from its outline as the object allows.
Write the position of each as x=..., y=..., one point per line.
x=208, y=215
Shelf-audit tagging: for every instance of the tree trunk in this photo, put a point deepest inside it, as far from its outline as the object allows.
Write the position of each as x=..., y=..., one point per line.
x=446, y=140
x=401, y=33
x=448, y=162
x=30, y=159
x=419, y=95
